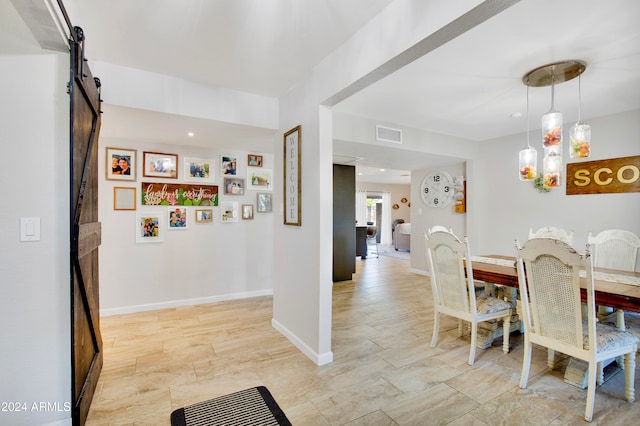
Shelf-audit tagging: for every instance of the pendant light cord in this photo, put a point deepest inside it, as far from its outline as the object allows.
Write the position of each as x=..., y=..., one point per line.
x=528, y=144
x=579, y=97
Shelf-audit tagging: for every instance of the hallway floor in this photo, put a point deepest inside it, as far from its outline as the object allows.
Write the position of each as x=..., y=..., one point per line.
x=384, y=371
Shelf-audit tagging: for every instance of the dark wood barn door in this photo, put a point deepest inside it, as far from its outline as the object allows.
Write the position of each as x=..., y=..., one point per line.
x=86, y=341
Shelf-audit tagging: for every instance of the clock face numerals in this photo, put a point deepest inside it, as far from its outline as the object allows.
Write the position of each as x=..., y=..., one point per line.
x=437, y=189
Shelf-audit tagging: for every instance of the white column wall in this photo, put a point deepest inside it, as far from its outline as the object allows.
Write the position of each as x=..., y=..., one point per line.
x=34, y=276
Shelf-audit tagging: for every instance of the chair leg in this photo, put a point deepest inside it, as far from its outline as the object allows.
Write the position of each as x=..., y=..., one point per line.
x=460, y=328
x=591, y=392
x=629, y=376
x=474, y=341
x=600, y=373
x=436, y=329
x=526, y=363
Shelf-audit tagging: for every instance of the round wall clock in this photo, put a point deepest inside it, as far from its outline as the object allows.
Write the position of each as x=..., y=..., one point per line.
x=436, y=189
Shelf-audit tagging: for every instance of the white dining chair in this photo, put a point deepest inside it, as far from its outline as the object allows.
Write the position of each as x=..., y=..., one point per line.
x=549, y=282
x=615, y=249
x=552, y=232
x=454, y=291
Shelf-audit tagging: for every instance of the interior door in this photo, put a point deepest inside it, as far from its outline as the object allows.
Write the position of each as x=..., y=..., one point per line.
x=86, y=341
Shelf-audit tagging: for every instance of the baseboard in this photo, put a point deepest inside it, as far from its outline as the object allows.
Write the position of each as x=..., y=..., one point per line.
x=419, y=271
x=318, y=359
x=183, y=302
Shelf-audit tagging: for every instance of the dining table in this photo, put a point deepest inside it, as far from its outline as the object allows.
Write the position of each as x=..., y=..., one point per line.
x=613, y=288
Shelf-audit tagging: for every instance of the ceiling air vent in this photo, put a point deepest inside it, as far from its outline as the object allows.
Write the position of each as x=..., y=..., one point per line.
x=387, y=134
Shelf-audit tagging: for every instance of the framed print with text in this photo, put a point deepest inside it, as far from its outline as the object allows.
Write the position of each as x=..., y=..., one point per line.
x=292, y=176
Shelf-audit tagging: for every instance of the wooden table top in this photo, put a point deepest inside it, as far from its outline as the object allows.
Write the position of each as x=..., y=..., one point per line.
x=612, y=294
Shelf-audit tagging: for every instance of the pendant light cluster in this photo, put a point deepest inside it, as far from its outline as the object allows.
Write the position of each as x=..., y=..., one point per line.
x=580, y=133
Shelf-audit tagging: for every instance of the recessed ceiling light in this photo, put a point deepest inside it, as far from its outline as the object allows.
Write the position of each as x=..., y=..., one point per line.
x=516, y=115
x=382, y=170
x=190, y=134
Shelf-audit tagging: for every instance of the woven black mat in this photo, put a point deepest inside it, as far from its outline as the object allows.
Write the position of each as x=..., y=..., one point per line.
x=254, y=406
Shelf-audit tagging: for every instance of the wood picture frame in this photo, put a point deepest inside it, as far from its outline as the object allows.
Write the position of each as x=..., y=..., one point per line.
x=149, y=227
x=198, y=170
x=120, y=164
x=254, y=160
x=204, y=215
x=264, y=202
x=292, y=176
x=124, y=198
x=247, y=212
x=159, y=164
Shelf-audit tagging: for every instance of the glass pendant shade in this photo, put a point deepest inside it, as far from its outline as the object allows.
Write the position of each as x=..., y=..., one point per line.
x=552, y=169
x=580, y=135
x=552, y=132
x=528, y=164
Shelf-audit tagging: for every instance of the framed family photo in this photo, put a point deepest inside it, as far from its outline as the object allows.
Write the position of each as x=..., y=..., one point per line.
x=259, y=178
x=149, y=228
x=228, y=212
x=254, y=160
x=198, y=170
x=177, y=218
x=121, y=164
x=158, y=164
x=233, y=186
x=228, y=165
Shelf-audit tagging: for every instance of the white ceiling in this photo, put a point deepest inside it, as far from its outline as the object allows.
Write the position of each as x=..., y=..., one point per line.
x=468, y=88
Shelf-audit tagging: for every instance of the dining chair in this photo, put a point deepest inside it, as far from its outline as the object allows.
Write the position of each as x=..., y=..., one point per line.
x=551, y=232
x=549, y=282
x=615, y=249
x=454, y=291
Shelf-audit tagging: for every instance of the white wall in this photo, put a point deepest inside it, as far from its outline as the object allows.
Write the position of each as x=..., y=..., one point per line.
x=206, y=262
x=424, y=217
x=34, y=319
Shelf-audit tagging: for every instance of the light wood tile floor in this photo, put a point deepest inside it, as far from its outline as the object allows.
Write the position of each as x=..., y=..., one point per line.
x=384, y=370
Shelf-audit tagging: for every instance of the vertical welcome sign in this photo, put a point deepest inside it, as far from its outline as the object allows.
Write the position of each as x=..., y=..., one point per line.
x=292, y=210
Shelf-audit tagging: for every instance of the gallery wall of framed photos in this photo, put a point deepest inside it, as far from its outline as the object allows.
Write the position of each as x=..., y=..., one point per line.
x=164, y=190
x=190, y=223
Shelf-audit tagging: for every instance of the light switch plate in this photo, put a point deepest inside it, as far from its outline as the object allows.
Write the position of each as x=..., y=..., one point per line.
x=29, y=229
